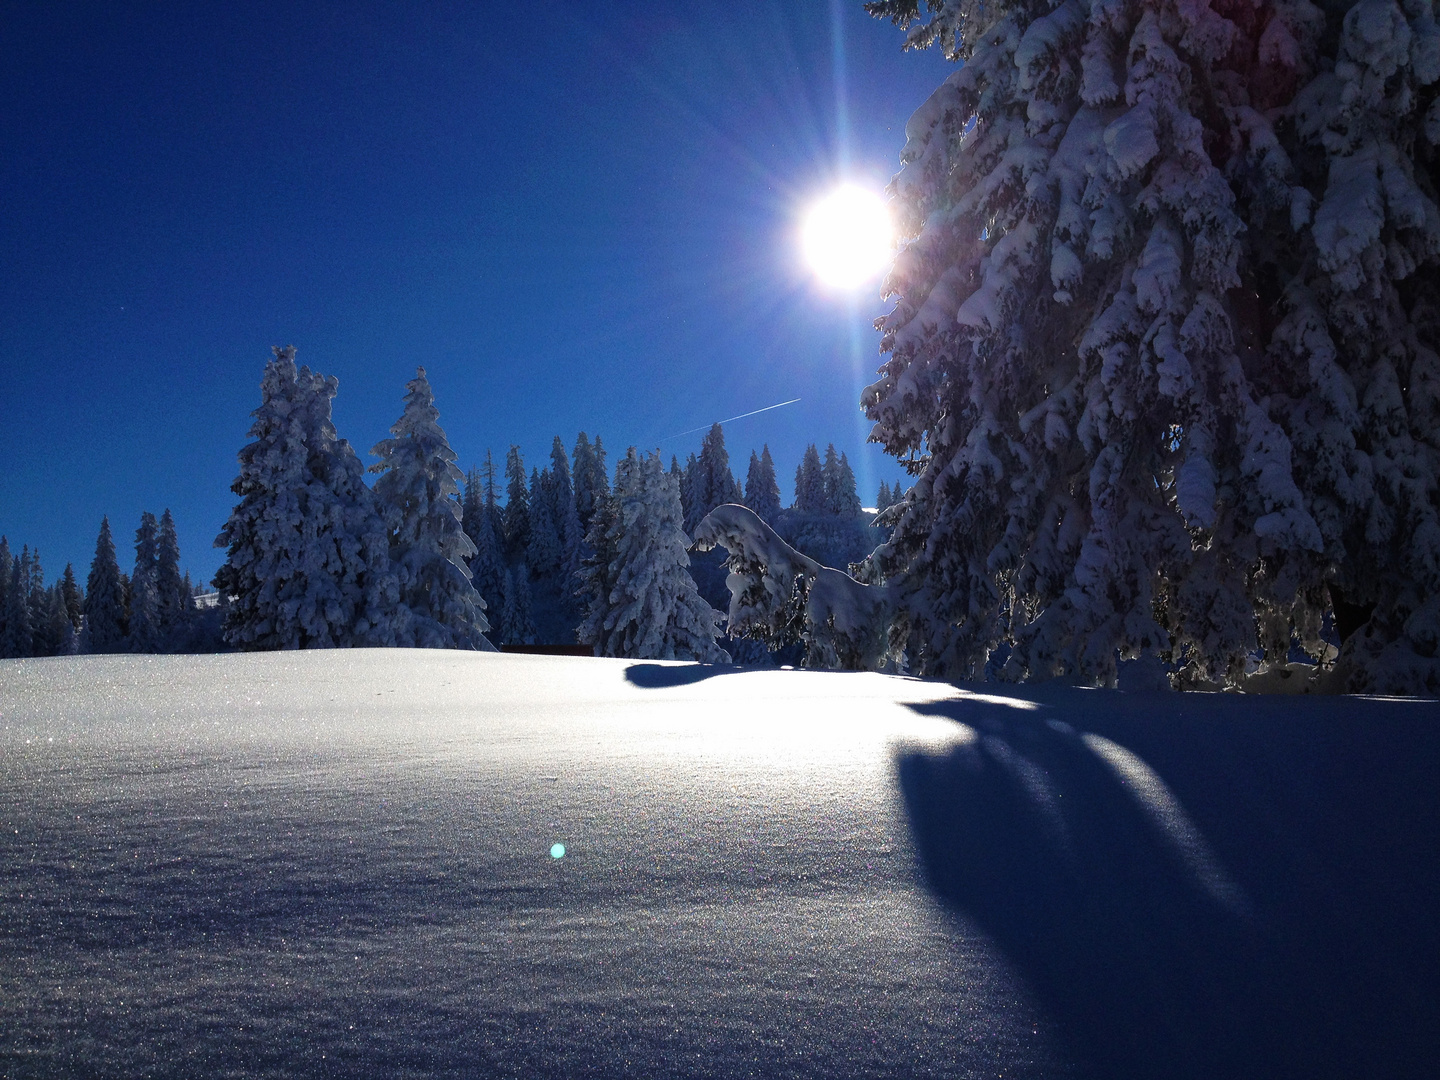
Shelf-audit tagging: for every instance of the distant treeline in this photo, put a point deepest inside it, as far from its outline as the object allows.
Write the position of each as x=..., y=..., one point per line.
x=430, y=556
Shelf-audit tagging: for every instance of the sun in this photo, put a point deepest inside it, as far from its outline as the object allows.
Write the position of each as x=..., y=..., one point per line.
x=847, y=237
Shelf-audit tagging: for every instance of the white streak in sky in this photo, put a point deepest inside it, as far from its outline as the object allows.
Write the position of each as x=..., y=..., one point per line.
x=752, y=412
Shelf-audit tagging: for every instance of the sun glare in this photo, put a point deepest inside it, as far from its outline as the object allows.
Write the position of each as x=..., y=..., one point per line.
x=847, y=237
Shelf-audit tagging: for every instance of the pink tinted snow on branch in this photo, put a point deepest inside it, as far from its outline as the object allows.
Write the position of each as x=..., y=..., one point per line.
x=780, y=596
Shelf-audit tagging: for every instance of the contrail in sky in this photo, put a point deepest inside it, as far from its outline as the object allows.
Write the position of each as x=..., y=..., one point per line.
x=752, y=412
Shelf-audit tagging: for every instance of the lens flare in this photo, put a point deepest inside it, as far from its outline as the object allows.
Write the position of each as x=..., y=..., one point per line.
x=557, y=851
x=848, y=238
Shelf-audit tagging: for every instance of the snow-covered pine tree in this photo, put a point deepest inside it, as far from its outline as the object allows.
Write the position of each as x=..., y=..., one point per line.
x=145, y=632
x=809, y=483
x=762, y=489
x=592, y=482
x=104, y=630
x=690, y=493
x=307, y=564
x=1069, y=374
x=418, y=491
x=883, y=498
x=1355, y=379
x=517, y=506
x=543, y=554
x=651, y=609
x=19, y=639
x=173, y=598
x=595, y=580
x=516, y=625
x=7, y=564
x=70, y=596
x=565, y=516
x=714, y=483
x=838, y=480
x=482, y=525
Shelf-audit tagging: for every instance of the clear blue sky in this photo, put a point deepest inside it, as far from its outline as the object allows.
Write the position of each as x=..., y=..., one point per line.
x=574, y=216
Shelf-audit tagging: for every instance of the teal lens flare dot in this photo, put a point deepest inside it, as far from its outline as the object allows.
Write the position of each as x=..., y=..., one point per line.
x=557, y=851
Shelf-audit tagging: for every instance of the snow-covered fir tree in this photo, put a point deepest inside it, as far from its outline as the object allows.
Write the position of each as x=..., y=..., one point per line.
x=592, y=481
x=838, y=481
x=712, y=483
x=145, y=632
x=418, y=491
x=809, y=483
x=566, y=517
x=644, y=605
x=516, y=625
x=883, y=498
x=1354, y=376
x=70, y=595
x=7, y=564
x=1077, y=377
x=105, y=617
x=762, y=489
x=689, y=493
x=173, y=598
x=517, y=505
x=19, y=632
x=483, y=526
x=308, y=562
x=543, y=553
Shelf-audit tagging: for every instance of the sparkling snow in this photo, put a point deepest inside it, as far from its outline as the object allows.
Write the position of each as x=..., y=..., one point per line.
x=350, y=863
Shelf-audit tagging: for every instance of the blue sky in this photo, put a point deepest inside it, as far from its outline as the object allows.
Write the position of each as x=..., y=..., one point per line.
x=574, y=216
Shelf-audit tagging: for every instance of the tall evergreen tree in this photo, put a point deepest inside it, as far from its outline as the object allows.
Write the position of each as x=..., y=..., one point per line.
x=651, y=609
x=714, y=484
x=591, y=484
x=1075, y=368
x=307, y=564
x=543, y=554
x=483, y=526
x=517, y=505
x=762, y=489
x=105, y=620
x=145, y=631
x=516, y=626
x=810, y=483
x=841, y=496
x=175, y=603
x=691, y=494
x=70, y=596
x=19, y=636
x=883, y=499
x=419, y=490
x=7, y=564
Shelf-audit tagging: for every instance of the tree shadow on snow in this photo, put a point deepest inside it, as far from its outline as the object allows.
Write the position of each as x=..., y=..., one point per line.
x=660, y=676
x=1205, y=888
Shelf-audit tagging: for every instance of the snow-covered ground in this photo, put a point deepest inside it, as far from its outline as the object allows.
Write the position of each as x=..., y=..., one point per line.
x=339, y=863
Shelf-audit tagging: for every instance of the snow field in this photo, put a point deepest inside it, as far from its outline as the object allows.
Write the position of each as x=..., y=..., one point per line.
x=339, y=863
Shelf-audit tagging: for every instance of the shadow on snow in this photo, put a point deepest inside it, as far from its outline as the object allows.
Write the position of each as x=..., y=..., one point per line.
x=1223, y=887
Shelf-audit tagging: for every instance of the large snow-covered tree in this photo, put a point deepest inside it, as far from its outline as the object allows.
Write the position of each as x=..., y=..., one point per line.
x=105, y=616
x=762, y=489
x=418, y=491
x=173, y=599
x=643, y=601
x=145, y=630
x=809, y=483
x=307, y=564
x=1106, y=210
x=1355, y=378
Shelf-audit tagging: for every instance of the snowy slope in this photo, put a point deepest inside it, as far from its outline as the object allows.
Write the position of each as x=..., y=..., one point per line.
x=339, y=863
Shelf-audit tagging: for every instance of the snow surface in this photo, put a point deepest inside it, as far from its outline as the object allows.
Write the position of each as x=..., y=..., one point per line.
x=339, y=863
